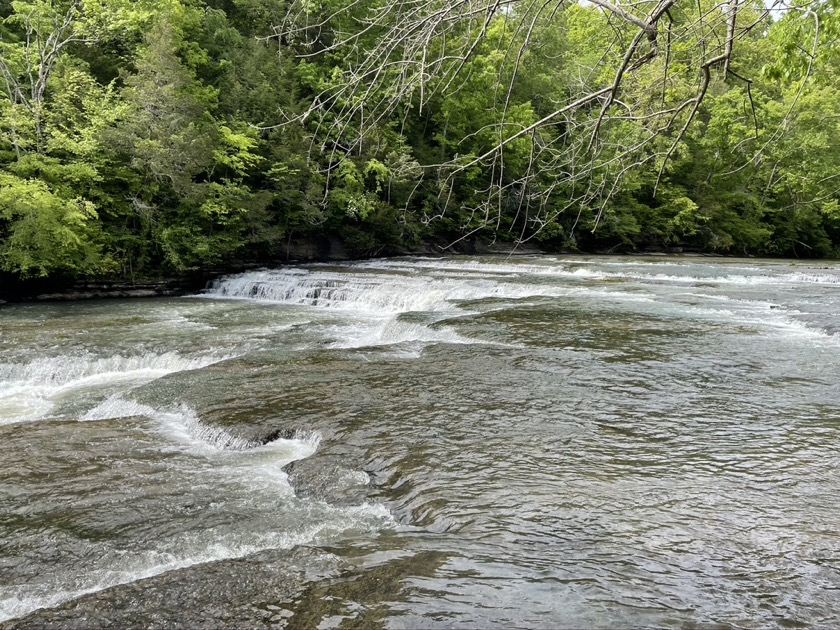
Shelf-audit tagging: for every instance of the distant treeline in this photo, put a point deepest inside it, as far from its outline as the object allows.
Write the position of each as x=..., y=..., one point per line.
x=151, y=137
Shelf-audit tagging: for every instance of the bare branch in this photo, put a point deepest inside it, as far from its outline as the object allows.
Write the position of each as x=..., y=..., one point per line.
x=414, y=53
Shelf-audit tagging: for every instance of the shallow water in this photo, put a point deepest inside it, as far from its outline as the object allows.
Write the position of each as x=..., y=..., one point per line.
x=483, y=442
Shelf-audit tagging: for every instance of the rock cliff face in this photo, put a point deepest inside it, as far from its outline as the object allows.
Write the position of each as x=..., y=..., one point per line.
x=316, y=249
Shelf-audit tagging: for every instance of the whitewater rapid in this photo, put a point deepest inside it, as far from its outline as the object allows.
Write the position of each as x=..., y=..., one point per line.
x=544, y=419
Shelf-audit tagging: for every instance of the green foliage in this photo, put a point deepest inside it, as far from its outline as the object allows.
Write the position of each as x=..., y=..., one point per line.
x=47, y=233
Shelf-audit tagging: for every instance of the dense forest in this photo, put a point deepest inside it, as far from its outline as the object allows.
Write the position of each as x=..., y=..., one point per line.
x=151, y=137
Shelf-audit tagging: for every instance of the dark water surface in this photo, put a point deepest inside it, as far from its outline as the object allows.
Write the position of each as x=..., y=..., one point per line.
x=454, y=443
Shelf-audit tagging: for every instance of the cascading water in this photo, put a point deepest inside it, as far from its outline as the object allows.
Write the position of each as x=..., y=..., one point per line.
x=370, y=293
x=520, y=442
x=34, y=390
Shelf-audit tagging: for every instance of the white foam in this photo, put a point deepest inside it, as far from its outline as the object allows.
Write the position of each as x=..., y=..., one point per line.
x=22, y=404
x=380, y=290
x=231, y=460
x=371, y=296
x=757, y=315
x=71, y=370
x=182, y=424
x=546, y=268
x=385, y=294
x=342, y=291
x=391, y=332
x=187, y=549
x=720, y=277
x=30, y=391
x=580, y=269
x=814, y=278
x=179, y=422
x=398, y=289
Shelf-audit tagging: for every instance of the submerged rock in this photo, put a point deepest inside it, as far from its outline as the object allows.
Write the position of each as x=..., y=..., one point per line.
x=240, y=593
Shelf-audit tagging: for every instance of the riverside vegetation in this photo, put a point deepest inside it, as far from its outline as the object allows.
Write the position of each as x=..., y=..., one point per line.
x=149, y=137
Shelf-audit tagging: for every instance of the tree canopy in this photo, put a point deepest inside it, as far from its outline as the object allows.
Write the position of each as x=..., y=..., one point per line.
x=142, y=137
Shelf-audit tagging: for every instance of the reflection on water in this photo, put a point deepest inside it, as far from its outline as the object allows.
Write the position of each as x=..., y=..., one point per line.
x=485, y=442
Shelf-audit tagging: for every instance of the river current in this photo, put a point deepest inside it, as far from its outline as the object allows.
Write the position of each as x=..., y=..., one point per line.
x=493, y=442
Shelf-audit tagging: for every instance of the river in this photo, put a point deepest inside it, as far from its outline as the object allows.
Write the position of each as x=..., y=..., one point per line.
x=493, y=442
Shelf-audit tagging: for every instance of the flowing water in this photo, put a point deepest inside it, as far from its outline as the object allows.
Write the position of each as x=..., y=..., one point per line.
x=430, y=443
